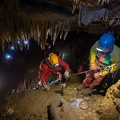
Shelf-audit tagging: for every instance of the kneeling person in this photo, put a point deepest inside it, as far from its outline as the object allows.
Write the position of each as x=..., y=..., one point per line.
x=104, y=53
x=52, y=70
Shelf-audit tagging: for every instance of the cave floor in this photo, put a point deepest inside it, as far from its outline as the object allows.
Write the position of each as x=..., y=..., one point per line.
x=32, y=104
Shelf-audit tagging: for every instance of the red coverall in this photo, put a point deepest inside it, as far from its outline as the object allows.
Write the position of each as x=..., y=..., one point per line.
x=46, y=71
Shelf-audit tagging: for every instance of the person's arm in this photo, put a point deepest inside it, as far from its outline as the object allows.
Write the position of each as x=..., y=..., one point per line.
x=43, y=72
x=115, y=58
x=63, y=64
x=66, y=67
x=92, y=57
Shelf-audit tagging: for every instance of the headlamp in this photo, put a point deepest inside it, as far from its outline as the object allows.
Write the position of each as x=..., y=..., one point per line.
x=25, y=42
x=104, y=50
x=18, y=41
x=7, y=56
x=99, y=49
x=56, y=64
x=12, y=47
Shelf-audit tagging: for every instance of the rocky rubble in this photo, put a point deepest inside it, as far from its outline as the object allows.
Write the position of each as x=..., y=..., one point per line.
x=109, y=109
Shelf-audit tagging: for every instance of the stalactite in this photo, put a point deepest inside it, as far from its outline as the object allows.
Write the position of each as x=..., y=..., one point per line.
x=79, y=17
x=98, y=2
x=28, y=45
x=21, y=45
x=59, y=26
x=41, y=44
x=66, y=31
x=34, y=31
x=102, y=2
x=75, y=4
x=107, y=1
x=55, y=32
x=12, y=4
x=9, y=14
x=111, y=22
x=38, y=34
x=52, y=29
x=45, y=31
x=36, y=25
x=9, y=4
x=31, y=27
x=38, y=41
x=17, y=2
x=48, y=28
x=54, y=38
x=62, y=29
x=74, y=8
x=57, y=29
x=43, y=35
x=9, y=23
x=24, y=24
x=2, y=44
x=117, y=22
x=27, y=28
x=37, y=31
x=18, y=23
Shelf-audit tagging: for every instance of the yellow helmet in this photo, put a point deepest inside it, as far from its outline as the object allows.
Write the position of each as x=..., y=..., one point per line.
x=53, y=59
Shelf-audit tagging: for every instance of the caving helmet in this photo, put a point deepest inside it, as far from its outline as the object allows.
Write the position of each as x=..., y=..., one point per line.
x=53, y=58
x=106, y=42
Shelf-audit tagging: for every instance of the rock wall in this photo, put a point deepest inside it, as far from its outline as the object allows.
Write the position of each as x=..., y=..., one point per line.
x=109, y=109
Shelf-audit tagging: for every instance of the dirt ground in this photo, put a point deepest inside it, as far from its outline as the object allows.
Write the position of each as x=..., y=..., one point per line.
x=59, y=103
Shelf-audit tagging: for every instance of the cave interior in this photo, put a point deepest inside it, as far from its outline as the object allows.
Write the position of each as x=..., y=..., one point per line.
x=23, y=19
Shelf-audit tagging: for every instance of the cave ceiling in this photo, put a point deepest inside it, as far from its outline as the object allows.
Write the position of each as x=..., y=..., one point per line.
x=21, y=19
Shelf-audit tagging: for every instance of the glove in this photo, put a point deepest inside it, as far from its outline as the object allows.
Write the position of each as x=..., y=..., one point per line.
x=40, y=83
x=93, y=66
x=96, y=75
x=47, y=87
x=67, y=74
